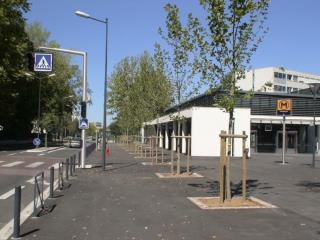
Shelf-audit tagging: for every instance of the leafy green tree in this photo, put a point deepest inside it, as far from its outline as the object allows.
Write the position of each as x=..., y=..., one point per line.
x=223, y=45
x=139, y=91
x=59, y=94
x=115, y=128
x=92, y=130
x=15, y=112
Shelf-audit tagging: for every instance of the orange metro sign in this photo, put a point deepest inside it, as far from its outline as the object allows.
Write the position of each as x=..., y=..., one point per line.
x=284, y=105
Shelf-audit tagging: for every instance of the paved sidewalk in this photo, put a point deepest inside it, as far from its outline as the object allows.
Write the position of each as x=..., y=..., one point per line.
x=129, y=202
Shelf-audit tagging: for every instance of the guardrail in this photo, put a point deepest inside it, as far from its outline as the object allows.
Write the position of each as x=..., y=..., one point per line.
x=90, y=149
x=65, y=169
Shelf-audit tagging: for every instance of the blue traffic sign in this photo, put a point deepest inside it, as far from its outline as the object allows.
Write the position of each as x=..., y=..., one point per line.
x=43, y=62
x=83, y=123
x=36, y=141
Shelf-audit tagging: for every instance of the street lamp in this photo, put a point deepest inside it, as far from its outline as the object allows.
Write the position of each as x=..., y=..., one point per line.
x=39, y=97
x=314, y=87
x=86, y=15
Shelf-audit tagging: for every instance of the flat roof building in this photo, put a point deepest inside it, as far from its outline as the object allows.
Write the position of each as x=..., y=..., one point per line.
x=276, y=79
x=256, y=116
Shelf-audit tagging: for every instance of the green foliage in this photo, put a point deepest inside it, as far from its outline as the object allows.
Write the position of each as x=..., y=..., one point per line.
x=222, y=47
x=15, y=110
x=139, y=90
x=115, y=128
x=177, y=62
x=92, y=130
x=19, y=94
x=61, y=93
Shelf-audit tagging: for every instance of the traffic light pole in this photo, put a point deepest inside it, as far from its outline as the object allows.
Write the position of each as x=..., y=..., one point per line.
x=84, y=92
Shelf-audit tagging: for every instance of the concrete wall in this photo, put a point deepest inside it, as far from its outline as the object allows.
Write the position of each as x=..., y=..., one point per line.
x=206, y=126
x=257, y=79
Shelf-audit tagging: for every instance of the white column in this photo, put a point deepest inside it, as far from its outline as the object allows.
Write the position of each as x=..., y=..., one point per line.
x=184, y=133
x=174, y=133
x=161, y=137
x=166, y=137
x=142, y=134
x=318, y=139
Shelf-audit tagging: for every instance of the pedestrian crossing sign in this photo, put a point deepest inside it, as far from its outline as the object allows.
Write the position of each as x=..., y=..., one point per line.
x=43, y=62
x=83, y=123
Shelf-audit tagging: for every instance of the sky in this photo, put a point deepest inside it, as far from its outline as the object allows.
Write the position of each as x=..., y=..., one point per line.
x=292, y=41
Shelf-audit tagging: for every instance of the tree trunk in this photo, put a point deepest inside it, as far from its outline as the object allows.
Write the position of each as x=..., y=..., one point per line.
x=229, y=150
x=178, y=147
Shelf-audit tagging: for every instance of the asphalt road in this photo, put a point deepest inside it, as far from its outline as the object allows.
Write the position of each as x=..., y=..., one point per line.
x=128, y=201
x=18, y=167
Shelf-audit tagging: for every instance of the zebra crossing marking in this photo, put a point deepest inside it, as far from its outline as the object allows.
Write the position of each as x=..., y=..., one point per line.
x=9, y=193
x=35, y=164
x=13, y=164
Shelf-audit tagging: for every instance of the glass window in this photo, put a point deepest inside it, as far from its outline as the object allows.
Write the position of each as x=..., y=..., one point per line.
x=289, y=89
x=295, y=78
x=276, y=74
x=289, y=76
x=279, y=88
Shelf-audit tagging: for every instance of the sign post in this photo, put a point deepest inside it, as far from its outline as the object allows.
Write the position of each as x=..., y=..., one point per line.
x=98, y=126
x=283, y=138
x=284, y=107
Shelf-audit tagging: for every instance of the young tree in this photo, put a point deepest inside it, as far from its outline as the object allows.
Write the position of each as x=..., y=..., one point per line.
x=223, y=45
x=178, y=63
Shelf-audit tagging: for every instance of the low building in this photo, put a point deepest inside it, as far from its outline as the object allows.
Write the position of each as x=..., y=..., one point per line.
x=257, y=116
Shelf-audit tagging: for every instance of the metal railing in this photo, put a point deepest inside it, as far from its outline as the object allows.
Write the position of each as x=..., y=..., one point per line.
x=65, y=169
x=38, y=194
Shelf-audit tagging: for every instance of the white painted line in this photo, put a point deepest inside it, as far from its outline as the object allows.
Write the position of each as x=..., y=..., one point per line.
x=56, y=150
x=35, y=164
x=87, y=166
x=21, y=152
x=41, y=154
x=12, y=164
x=7, y=230
x=11, y=154
x=31, y=181
x=9, y=194
x=2, y=161
x=55, y=166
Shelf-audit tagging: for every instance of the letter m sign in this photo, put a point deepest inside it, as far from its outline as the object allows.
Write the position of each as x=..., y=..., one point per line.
x=284, y=106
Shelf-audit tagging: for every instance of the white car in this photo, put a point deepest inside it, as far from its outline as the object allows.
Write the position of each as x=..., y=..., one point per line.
x=73, y=143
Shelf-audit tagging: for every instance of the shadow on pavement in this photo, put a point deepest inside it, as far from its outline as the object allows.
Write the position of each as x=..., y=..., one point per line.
x=236, y=189
x=29, y=232
x=310, y=186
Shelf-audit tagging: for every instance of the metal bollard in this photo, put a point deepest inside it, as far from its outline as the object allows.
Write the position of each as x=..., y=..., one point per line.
x=74, y=163
x=70, y=166
x=67, y=169
x=51, y=182
x=16, y=210
x=60, y=176
x=79, y=159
